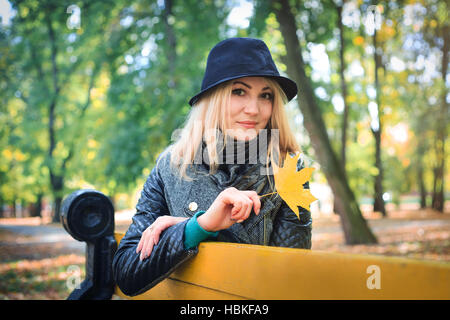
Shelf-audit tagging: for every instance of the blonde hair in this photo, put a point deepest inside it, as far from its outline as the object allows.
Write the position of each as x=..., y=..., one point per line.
x=211, y=111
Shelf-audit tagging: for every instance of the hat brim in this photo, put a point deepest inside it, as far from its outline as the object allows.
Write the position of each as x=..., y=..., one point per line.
x=287, y=85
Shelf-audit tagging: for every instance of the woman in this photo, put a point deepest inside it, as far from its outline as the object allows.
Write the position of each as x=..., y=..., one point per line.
x=215, y=182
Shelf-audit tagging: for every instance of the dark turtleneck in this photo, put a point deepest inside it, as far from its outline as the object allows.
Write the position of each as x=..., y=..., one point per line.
x=237, y=158
x=239, y=151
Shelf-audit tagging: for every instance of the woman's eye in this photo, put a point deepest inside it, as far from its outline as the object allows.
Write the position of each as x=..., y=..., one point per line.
x=238, y=92
x=267, y=96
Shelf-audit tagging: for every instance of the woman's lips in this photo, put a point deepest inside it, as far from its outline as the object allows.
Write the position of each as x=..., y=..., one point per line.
x=247, y=124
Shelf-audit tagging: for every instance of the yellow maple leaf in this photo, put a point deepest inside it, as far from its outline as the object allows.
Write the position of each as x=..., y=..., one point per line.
x=289, y=184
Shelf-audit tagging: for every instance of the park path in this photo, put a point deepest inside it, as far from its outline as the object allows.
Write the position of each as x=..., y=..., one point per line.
x=18, y=234
x=18, y=237
x=51, y=233
x=39, y=235
x=22, y=241
x=386, y=224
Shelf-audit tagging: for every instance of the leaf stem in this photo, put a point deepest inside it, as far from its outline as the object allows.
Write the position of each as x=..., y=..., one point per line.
x=267, y=194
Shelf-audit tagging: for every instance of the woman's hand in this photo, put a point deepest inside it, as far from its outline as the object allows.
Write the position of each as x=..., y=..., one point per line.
x=231, y=206
x=150, y=236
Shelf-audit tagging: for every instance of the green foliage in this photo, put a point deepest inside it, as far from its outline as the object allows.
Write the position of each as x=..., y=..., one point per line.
x=120, y=84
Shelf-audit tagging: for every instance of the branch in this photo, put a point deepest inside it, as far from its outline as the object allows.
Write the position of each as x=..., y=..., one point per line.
x=90, y=87
x=56, y=87
x=36, y=61
x=70, y=71
x=83, y=111
x=54, y=52
x=172, y=55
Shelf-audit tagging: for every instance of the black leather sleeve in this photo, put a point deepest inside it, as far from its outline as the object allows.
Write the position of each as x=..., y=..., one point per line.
x=134, y=276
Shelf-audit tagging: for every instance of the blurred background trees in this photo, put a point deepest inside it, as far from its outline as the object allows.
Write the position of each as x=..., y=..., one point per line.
x=92, y=91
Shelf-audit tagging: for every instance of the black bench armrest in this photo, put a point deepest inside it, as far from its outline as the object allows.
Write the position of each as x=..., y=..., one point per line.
x=88, y=215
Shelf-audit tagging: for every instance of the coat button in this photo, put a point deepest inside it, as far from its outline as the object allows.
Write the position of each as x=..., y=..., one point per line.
x=193, y=206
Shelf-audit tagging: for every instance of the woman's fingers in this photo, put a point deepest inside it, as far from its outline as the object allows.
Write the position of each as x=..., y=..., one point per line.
x=150, y=237
x=140, y=244
x=147, y=243
x=166, y=223
x=244, y=213
x=256, y=201
x=244, y=201
x=243, y=208
x=237, y=206
x=143, y=240
x=147, y=249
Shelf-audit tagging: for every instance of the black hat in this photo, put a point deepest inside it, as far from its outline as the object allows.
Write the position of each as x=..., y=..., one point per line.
x=241, y=57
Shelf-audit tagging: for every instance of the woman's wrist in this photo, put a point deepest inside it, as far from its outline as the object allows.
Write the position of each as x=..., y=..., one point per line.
x=205, y=223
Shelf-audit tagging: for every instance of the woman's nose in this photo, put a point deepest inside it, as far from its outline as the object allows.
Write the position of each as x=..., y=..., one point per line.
x=251, y=107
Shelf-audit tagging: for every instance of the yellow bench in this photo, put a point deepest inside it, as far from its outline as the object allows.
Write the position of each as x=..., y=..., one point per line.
x=240, y=271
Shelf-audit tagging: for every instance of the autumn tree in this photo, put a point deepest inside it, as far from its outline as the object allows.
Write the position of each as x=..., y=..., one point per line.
x=354, y=225
x=56, y=76
x=437, y=33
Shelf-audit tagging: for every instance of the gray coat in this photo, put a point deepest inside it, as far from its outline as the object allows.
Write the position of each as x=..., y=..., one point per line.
x=164, y=193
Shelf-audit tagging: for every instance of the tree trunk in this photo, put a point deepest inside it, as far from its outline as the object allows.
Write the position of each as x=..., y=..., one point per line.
x=55, y=180
x=37, y=206
x=57, y=209
x=57, y=171
x=343, y=93
x=378, y=186
x=343, y=89
x=171, y=42
x=378, y=204
x=421, y=149
x=356, y=230
x=1, y=207
x=422, y=189
x=57, y=184
x=438, y=184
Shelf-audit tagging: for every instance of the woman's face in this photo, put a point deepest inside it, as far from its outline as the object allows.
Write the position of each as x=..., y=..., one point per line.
x=250, y=107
